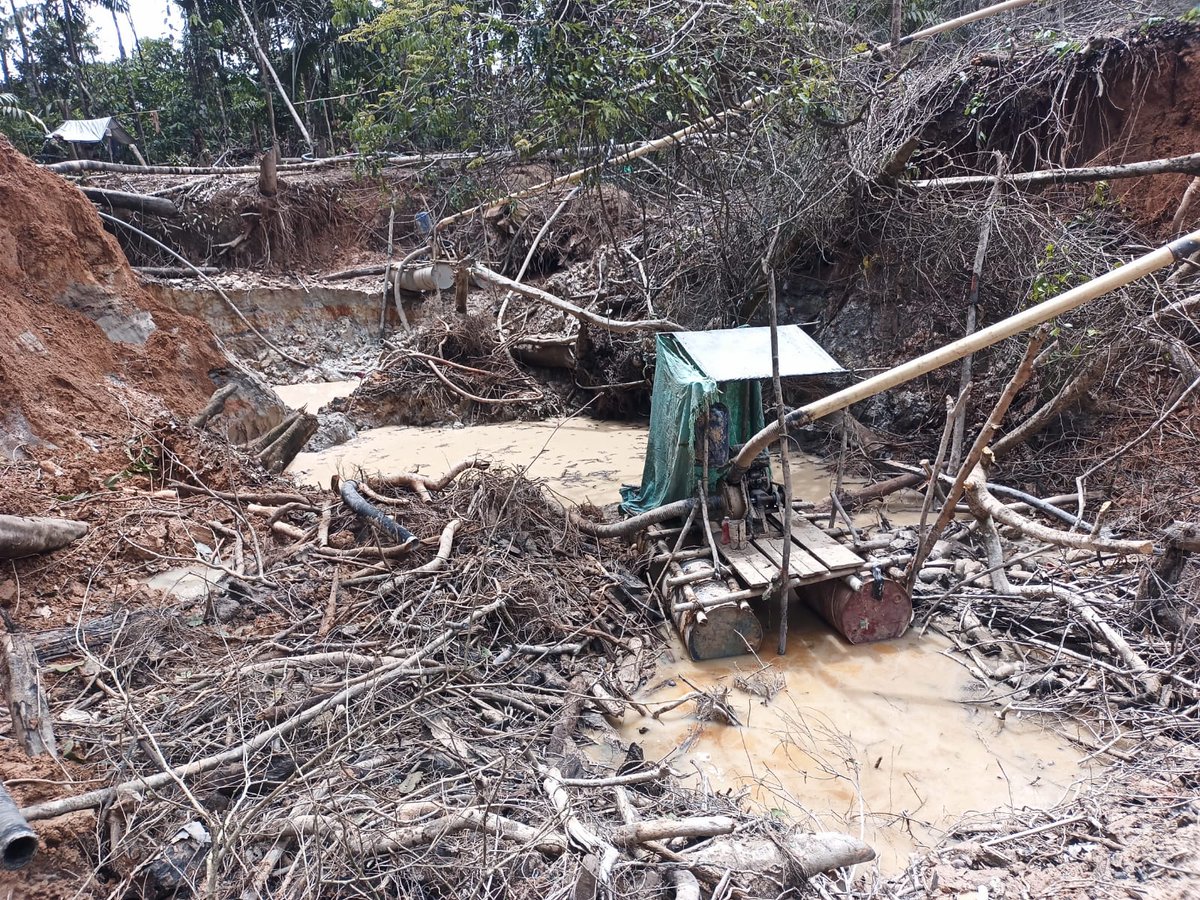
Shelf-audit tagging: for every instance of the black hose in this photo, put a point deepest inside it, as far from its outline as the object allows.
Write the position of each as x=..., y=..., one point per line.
x=348, y=488
x=18, y=842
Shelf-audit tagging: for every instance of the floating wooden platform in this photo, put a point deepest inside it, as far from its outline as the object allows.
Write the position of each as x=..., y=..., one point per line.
x=712, y=612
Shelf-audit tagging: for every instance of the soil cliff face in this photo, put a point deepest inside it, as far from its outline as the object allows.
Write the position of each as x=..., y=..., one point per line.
x=84, y=351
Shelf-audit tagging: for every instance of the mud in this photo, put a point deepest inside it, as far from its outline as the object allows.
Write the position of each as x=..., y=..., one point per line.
x=884, y=741
x=86, y=355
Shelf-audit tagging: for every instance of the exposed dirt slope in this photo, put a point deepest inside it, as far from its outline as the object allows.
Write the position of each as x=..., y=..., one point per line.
x=83, y=348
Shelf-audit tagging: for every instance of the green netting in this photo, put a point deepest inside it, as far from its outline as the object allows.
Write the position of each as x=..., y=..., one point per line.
x=681, y=393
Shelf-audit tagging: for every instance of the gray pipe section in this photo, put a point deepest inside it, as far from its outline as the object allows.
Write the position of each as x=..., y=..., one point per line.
x=629, y=527
x=437, y=276
x=18, y=842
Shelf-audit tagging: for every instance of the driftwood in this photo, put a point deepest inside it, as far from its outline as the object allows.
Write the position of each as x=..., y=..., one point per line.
x=31, y=535
x=32, y=725
x=139, y=203
x=423, y=484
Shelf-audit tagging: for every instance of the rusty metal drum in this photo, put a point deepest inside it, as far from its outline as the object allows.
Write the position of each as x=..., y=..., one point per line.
x=869, y=612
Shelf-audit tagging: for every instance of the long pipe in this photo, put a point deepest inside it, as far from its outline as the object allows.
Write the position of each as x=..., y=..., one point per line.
x=1178, y=249
x=18, y=842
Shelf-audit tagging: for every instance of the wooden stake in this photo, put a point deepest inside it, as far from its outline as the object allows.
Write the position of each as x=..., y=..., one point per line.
x=785, y=464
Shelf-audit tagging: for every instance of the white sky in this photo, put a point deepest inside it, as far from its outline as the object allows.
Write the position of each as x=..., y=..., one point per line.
x=151, y=18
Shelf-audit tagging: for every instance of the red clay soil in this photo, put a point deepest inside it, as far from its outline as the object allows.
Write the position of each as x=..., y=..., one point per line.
x=1161, y=119
x=70, y=393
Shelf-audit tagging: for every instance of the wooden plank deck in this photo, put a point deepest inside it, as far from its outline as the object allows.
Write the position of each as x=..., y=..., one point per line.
x=752, y=568
x=801, y=564
x=835, y=556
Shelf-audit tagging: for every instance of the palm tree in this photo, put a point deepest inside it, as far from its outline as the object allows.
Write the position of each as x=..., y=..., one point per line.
x=10, y=109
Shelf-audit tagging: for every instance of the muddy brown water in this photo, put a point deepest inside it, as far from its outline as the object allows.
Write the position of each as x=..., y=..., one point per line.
x=881, y=741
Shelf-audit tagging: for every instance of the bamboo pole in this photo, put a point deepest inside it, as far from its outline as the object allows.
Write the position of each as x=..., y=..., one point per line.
x=1189, y=164
x=1175, y=251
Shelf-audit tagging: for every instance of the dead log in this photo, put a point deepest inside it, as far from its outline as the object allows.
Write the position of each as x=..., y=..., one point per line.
x=548, y=352
x=215, y=404
x=139, y=203
x=1067, y=396
x=31, y=535
x=278, y=455
x=32, y=725
x=175, y=271
x=763, y=864
x=96, y=635
x=983, y=505
x=856, y=498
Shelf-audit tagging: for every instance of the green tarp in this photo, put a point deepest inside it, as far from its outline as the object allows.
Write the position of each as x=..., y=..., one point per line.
x=681, y=393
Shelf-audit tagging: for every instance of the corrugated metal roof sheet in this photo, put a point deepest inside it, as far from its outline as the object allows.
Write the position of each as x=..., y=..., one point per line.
x=737, y=354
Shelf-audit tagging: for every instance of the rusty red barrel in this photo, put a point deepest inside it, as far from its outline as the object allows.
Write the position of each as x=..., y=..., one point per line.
x=869, y=612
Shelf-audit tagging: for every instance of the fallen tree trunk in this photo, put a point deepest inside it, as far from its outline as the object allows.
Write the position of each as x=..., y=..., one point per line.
x=175, y=271
x=215, y=404
x=32, y=725
x=856, y=498
x=762, y=858
x=31, y=535
x=139, y=203
x=1189, y=165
